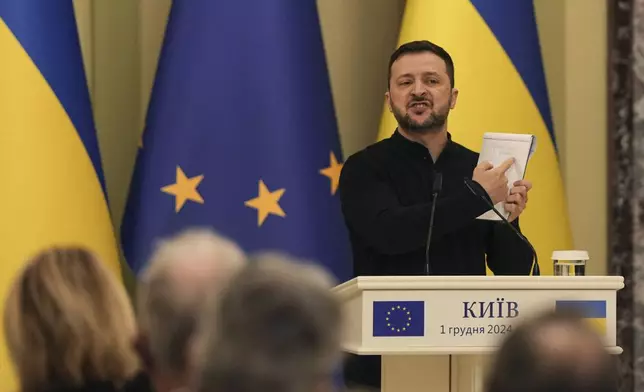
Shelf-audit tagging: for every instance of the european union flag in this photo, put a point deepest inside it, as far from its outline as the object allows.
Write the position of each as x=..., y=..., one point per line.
x=398, y=318
x=241, y=135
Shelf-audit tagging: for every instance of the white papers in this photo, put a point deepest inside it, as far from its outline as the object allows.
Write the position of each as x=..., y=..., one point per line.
x=498, y=147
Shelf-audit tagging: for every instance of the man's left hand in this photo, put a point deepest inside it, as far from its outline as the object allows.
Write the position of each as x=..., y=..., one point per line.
x=516, y=202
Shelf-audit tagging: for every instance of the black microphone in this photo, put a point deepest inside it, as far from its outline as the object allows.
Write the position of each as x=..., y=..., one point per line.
x=436, y=189
x=535, y=259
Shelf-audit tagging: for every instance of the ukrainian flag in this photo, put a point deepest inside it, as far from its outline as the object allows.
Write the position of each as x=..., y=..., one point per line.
x=52, y=182
x=500, y=78
x=594, y=312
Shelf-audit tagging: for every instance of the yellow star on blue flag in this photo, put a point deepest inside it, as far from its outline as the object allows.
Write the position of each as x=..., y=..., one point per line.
x=184, y=189
x=333, y=172
x=266, y=203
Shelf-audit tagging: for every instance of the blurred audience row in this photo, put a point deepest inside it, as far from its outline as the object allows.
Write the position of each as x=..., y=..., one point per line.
x=211, y=318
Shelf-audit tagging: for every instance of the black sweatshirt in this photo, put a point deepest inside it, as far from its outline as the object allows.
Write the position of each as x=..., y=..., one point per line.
x=386, y=201
x=386, y=192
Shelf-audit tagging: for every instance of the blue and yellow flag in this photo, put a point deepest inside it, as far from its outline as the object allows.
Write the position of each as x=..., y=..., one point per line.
x=52, y=180
x=241, y=135
x=592, y=311
x=502, y=88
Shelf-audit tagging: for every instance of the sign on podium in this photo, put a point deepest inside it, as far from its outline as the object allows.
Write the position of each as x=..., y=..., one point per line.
x=441, y=330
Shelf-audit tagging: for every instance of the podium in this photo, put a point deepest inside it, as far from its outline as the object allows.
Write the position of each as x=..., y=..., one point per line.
x=437, y=333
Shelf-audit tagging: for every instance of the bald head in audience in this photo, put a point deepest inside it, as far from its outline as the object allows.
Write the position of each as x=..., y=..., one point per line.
x=276, y=329
x=553, y=353
x=183, y=275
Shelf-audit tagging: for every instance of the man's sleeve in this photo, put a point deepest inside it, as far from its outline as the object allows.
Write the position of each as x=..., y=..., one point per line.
x=507, y=254
x=372, y=210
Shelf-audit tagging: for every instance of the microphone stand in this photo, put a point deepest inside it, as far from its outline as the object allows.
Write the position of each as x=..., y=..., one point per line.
x=436, y=189
x=535, y=270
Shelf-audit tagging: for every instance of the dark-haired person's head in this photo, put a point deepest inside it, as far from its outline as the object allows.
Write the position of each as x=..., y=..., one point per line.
x=555, y=352
x=276, y=328
x=420, y=87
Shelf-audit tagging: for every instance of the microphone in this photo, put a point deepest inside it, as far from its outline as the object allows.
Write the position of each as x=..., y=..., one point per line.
x=535, y=259
x=437, y=186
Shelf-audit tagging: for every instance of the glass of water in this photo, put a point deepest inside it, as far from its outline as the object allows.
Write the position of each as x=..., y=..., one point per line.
x=569, y=262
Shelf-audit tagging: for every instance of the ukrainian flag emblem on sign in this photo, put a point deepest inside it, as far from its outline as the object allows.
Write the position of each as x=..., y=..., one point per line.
x=592, y=311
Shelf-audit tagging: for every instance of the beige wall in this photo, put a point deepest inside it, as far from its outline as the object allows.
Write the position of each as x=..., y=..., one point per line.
x=121, y=41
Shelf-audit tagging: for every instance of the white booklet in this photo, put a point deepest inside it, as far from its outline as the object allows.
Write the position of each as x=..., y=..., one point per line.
x=498, y=147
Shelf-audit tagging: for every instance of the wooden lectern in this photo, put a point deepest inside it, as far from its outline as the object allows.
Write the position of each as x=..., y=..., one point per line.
x=436, y=333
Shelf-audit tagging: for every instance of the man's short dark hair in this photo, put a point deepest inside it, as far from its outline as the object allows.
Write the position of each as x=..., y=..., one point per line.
x=419, y=47
x=556, y=352
x=275, y=328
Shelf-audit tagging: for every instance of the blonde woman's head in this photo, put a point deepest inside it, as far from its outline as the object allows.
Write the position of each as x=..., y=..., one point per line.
x=68, y=321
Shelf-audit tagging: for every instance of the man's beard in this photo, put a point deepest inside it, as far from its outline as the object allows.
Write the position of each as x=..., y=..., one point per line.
x=433, y=123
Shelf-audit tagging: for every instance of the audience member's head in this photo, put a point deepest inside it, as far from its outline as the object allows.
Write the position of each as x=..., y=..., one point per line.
x=275, y=329
x=183, y=274
x=68, y=323
x=555, y=352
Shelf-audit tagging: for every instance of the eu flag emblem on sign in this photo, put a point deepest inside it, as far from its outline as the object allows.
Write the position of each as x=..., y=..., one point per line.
x=241, y=135
x=398, y=318
x=594, y=312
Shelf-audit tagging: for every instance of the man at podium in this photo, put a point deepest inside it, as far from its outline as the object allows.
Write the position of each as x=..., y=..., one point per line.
x=387, y=190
